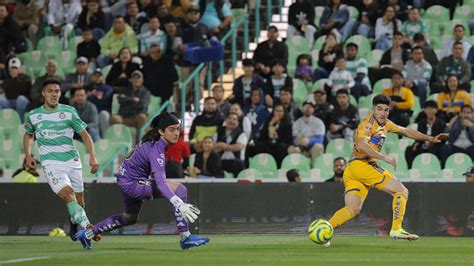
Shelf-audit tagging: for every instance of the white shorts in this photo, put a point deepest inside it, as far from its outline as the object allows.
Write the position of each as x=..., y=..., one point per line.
x=60, y=176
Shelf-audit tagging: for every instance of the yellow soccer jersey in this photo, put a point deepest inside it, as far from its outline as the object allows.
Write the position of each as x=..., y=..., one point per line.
x=375, y=133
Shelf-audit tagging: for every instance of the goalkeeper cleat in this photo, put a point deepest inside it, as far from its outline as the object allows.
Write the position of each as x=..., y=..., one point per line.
x=85, y=239
x=72, y=231
x=402, y=234
x=193, y=241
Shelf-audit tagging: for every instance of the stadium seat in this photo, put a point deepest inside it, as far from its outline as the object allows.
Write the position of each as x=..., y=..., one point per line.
x=119, y=133
x=154, y=105
x=297, y=161
x=249, y=173
x=107, y=152
x=115, y=104
x=403, y=143
x=319, y=85
x=448, y=27
x=451, y=175
x=318, y=12
x=318, y=45
x=381, y=84
x=433, y=29
x=362, y=42
x=324, y=164
x=391, y=143
x=106, y=70
x=363, y=112
x=68, y=61
x=9, y=122
x=402, y=168
x=265, y=163
x=315, y=57
x=36, y=61
x=2, y=137
x=433, y=97
x=339, y=147
x=352, y=100
x=366, y=101
x=428, y=165
x=298, y=43
x=353, y=12
x=50, y=46
x=459, y=162
x=437, y=12
x=81, y=148
x=464, y=12
x=11, y=154
x=300, y=94
x=472, y=93
x=373, y=57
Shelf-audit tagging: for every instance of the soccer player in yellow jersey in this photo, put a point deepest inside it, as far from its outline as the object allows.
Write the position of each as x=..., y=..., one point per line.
x=364, y=172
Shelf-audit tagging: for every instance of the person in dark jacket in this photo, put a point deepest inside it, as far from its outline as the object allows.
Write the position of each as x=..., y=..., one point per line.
x=207, y=163
x=301, y=20
x=257, y=113
x=88, y=48
x=121, y=71
x=431, y=125
x=205, y=124
x=160, y=73
x=17, y=89
x=344, y=118
x=275, y=82
x=101, y=95
x=393, y=60
x=327, y=57
x=244, y=84
x=11, y=39
x=461, y=134
x=92, y=17
x=87, y=111
x=269, y=51
x=335, y=17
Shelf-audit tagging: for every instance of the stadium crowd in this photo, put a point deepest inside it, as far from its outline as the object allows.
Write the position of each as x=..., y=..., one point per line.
x=129, y=51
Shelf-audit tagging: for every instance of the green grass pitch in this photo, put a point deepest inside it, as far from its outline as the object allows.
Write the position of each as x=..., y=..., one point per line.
x=226, y=250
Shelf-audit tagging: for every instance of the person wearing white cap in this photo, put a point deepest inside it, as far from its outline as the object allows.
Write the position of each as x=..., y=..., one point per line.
x=80, y=78
x=17, y=88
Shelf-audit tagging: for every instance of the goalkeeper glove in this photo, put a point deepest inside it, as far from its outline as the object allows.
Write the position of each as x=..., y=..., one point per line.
x=188, y=211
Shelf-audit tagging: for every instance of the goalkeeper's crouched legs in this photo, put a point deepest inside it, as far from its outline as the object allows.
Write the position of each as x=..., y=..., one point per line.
x=181, y=223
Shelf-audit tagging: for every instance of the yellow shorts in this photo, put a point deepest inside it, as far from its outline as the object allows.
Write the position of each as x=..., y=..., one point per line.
x=361, y=175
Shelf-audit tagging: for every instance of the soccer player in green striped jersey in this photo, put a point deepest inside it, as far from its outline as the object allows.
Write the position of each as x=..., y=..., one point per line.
x=53, y=125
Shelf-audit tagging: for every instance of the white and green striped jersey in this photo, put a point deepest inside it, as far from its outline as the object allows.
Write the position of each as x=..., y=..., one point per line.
x=54, y=131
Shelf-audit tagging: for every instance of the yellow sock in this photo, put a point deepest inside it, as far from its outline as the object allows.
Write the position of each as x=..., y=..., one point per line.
x=398, y=207
x=341, y=216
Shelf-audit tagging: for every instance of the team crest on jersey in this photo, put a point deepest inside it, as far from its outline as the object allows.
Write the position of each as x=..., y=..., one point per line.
x=62, y=115
x=160, y=161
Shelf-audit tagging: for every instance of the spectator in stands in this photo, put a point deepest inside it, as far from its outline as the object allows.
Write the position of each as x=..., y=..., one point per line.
x=400, y=6
x=385, y=27
x=357, y=66
x=293, y=176
x=160, y=73
x=269, y=51
x=60, y=20
x=121, y=71
x=338, y=165
x=417, y=73
x=323, y=108
x=244, y=84
x=301, y=20
x=327, y=57
x=396, y=56
x=119, y=36
x=403, y=101
x=469, y=175
x=304, y=69
x=175, y=46
x=453, y=65
x=335, y=17
x=452, y=98
x=428, y=52
x=458, y=36
x=369, y=11
x=415, y=24
x=78, y=79
x=344, y=118
x=223, y=105
x=148, y=7
x=51, y=72
x=101, y=95
x=244, y=122
x=276, y=82
x=286, y=99
x=308, y=133
x=207, y=163
x=86, y=111
x=340, y=78
x=154, y=36
x=192, y=29
x=93, y=18
x=134, y=18
x=216, y=15
x=27, y=16
x=133, y=102
x=10, y=36
x=231, y=142
x=178, y=9
x=275, y=136
x=177, y=158
x=163, y=15
x=461, y=134
x=26, y=174
x=257, y=113
x=89, y=47
x=430, y=125
x=205, y=124
x=17, y=88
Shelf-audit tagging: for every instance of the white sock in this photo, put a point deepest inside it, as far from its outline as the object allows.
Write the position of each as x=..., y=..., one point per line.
x=184, y=235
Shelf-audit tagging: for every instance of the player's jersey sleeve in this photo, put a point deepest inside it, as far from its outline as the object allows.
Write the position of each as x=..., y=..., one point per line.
x=363, y=130
x=157, y=163
x=392, y=127
x=28, y=125
x=76, y=123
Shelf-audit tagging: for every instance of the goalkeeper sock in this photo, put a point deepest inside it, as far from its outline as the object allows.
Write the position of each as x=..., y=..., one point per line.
x=181, y=223
x=111, y=223
x=77, y=214
x=398, y=207
x=184, y=235
x=341, y=216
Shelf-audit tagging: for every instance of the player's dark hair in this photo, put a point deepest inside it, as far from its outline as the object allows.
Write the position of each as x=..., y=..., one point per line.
x=381, y=99
x=51, y=81
x=160, y=121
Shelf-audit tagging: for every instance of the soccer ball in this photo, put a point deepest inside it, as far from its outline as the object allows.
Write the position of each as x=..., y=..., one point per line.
x=57, y=232
x=320, y=231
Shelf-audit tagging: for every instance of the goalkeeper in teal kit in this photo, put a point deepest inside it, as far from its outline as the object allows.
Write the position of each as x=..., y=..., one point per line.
x=148, y=159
